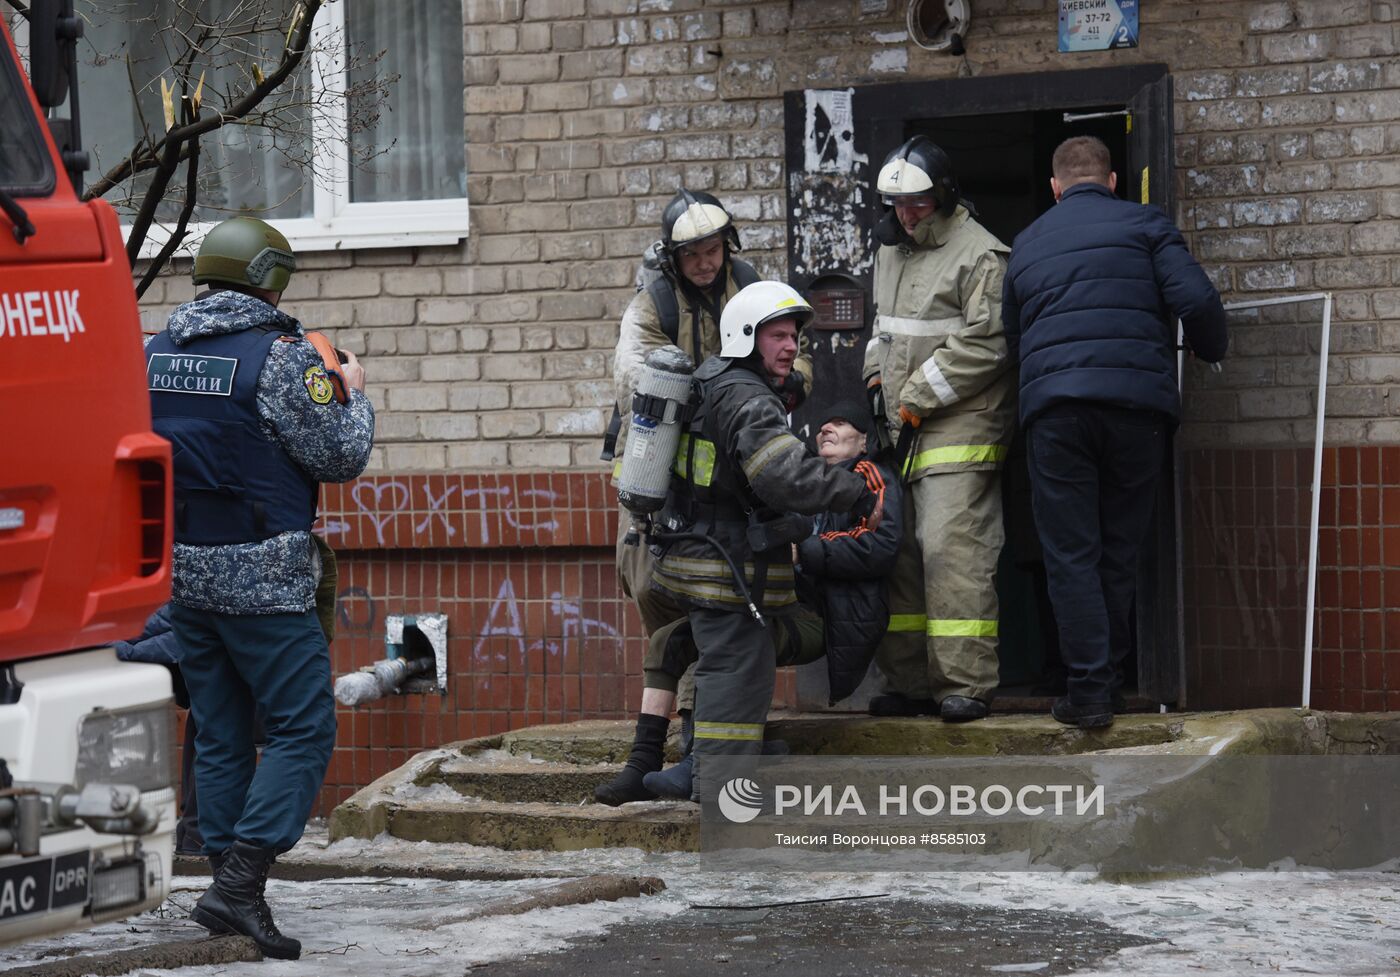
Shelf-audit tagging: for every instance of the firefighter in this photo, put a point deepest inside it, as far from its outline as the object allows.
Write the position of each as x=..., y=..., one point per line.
x=685, y=281
x=936, y=369
x=255, y=426
x=740, y=476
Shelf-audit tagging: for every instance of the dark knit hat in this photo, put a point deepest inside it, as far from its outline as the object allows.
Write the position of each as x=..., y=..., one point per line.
x=853, y=412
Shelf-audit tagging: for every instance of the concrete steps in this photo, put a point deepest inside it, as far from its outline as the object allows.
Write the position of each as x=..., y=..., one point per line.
x=531, y=789
x=656, y=826
x=499, y=776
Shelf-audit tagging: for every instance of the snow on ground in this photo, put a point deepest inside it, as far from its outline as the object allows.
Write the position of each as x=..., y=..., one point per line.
x=1289, y=922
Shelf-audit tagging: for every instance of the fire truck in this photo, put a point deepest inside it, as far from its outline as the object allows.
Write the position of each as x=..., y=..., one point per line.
x=87, y=806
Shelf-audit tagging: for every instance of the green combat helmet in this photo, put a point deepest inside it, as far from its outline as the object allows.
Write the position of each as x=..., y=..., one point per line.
x=245, y=251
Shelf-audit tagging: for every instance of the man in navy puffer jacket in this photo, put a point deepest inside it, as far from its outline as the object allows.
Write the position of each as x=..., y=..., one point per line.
x=1092, y=294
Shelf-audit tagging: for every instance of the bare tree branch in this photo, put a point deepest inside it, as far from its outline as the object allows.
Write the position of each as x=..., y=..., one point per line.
x=177, y=236
x=291, y=59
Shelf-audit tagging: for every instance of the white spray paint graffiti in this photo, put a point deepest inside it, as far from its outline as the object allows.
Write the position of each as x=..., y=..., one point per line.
x=504, y=619
x=384, y=500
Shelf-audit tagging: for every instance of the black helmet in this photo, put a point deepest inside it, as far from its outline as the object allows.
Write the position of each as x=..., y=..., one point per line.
x=918, y=169
x=691, y=217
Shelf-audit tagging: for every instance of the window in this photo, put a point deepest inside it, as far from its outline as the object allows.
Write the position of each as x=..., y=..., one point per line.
x=365, y=145
x=25, y=167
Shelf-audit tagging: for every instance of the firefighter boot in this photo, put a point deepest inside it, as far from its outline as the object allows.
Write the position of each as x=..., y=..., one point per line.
x=648, y=746
x=687, y=731
x=235, y=902
x=674, y=784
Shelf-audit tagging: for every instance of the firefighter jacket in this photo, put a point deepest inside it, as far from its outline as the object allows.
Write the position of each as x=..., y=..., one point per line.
x=843, y=568
x=292, y=415
x=697, y=333
x=740, y=476
x=938, y=346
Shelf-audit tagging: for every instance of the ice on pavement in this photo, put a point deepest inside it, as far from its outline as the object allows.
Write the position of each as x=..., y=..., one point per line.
x=1289, y=922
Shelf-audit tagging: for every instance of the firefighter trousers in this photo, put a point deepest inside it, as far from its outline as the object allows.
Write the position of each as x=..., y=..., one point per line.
x=942, y=638
x=733, y=690
x=798, y=639
x=634, y=566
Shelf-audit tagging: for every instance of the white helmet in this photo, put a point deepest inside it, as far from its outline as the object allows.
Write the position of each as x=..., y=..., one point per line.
x=753, y=306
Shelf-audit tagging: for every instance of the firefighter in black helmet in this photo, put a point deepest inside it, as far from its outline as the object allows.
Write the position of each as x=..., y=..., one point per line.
x=686, y=280
x=937, y=371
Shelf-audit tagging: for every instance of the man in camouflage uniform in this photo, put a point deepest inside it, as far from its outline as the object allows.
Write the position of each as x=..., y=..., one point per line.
x=255, y=425
x=741, y=476
x=687, y=279
x=937, y=369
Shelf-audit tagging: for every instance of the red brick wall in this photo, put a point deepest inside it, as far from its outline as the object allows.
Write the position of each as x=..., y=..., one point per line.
x=522, y=564
x=1245, y=518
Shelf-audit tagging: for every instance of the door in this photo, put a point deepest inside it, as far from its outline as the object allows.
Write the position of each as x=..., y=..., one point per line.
x=1161, y=676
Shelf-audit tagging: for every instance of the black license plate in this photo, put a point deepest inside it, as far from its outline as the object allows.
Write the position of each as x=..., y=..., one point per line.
x=37, y=885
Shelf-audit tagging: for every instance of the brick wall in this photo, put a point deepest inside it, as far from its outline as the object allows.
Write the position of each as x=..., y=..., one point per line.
x=522, y=565
x=584, y=117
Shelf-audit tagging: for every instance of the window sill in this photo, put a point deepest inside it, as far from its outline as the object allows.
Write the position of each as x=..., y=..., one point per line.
x=382, y=225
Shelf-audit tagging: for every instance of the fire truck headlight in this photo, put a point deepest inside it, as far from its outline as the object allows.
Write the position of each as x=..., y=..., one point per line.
x=132, y=746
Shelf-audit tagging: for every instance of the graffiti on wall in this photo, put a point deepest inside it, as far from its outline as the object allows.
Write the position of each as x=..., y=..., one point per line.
x=382, y=501
x=566, y=622
x=358, y=611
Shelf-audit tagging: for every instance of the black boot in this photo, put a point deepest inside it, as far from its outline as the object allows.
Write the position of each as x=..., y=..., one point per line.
x=648, y=750
x=963, y=709
x=235, y=902
x=687, y=731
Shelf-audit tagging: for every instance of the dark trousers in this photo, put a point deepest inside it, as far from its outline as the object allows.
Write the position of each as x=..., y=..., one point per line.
x=1094, y=472
x=733, y=690
x=278, y=666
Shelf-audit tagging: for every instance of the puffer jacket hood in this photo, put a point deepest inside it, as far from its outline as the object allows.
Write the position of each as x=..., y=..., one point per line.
x=226, y=311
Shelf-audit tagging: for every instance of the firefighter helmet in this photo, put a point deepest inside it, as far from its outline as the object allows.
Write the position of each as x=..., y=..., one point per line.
x=245, y=251
x=919, y=169
x=691, y=217
x=753, y=306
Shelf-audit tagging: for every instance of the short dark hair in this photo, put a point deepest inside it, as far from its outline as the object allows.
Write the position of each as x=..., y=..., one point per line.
x=1081, y=159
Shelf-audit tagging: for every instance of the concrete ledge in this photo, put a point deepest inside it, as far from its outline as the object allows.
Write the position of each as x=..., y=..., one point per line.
x=521, y=790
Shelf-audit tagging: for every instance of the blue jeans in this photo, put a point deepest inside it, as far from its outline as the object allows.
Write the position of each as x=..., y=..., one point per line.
x=279, y=666
x=1094, y=470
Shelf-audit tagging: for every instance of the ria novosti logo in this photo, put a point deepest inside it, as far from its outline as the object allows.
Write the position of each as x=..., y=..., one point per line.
x=740, y=800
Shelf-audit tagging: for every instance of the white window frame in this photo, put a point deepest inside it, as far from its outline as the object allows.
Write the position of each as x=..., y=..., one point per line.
x=336, y=223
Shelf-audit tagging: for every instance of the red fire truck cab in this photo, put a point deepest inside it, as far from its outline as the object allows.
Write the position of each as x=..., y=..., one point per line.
x=87, y=808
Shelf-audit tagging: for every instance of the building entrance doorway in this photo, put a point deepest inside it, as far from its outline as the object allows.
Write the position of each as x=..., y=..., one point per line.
x=1000, y=134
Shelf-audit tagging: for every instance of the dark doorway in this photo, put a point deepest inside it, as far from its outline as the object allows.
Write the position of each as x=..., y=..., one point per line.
x=1001, y=134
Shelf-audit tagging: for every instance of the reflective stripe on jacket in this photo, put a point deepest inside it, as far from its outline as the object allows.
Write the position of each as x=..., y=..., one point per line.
x=938, y=346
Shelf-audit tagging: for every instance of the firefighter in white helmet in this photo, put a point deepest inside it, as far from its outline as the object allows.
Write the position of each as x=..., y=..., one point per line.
x=936, y=369
x=743, y=488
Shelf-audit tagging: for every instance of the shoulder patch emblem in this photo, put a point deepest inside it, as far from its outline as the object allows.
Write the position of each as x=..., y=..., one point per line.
x=318, y=385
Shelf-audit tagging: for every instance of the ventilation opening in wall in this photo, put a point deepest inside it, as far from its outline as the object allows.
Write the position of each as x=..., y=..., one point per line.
x=415, y=661
x=419, y=638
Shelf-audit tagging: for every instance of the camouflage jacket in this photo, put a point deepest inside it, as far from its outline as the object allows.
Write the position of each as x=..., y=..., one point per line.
x=330, y=442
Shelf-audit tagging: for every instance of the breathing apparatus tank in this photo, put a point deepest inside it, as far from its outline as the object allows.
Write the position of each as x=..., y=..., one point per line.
x=660, y=407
